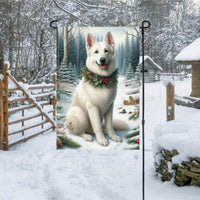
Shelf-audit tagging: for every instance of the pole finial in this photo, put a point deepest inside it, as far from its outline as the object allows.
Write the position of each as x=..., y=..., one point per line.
x=51, y=23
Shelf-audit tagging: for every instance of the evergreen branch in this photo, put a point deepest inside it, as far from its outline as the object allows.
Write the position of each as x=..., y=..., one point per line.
x=132, y=134
x=133, y=148
x=99, y=81
x=69, y=142
x=132, y=141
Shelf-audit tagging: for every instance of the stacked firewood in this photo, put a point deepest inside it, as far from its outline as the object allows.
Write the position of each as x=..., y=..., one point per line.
x=185, y=174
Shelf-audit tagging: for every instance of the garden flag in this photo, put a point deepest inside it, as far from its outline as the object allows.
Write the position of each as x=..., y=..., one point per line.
x=98, y=91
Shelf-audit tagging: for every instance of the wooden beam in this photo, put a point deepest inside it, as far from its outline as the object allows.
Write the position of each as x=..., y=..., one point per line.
x=32, y=87
x=24, y=128
x=16, y=109
x=5, y=107
x=24, y=118
x=54, y=98
x=1, y=116
x=10, y=100
x=27, y=138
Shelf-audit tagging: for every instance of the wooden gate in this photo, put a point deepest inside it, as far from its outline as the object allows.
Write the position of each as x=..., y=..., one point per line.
x=25, y=110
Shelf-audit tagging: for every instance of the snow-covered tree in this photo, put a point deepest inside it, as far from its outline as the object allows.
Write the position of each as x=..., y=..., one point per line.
x=137, y=73
x=129, y=72
x=67, y=74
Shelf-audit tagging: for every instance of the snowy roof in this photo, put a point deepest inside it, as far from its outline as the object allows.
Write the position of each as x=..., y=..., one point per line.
x=190, y=53
x=151, y=60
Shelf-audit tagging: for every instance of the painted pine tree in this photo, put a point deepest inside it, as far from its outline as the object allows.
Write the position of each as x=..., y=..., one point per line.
x=67, y=74
x=72, y=49
x=130, y=72
x=137, y=73
x=124, y=66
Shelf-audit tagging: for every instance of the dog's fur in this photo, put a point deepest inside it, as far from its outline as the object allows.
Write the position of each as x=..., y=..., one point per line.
x=91, y=105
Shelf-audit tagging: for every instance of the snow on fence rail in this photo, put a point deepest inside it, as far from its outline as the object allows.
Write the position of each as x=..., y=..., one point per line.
x=25, y=110
x=174, y=76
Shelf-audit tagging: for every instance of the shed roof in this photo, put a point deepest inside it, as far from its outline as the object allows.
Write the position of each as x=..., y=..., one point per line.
x=191, y=53
x=146, y=57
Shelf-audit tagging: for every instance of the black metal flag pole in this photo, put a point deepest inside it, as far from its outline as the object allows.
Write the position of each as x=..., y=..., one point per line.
x=57, y=52
x=145, y=24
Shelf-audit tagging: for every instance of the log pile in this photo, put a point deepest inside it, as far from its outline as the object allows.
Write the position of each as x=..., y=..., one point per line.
x=185, y=174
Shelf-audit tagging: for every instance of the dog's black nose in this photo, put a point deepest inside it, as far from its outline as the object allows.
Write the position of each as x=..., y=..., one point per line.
x=102, y=60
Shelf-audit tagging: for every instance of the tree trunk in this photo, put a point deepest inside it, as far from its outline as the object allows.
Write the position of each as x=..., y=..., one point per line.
x=65, y=39
x=195, y=80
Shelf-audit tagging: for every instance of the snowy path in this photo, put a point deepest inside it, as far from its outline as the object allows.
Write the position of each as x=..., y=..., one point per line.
x=36, y=170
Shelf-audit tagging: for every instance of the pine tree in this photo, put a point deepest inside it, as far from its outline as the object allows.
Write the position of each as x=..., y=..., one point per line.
x=60, y=48
x=82, y=54
x=120, y=56
x=130, y=72
x=137, y=74
x=123, y=68
x=134, y=52
x=72, y=49
x=67, y=74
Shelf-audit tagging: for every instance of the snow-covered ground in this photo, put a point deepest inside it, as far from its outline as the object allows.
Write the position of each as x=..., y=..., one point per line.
x=36, y=170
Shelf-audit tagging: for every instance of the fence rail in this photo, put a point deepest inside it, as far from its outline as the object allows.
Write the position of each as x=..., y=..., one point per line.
x=174, y=76
x=38, y=101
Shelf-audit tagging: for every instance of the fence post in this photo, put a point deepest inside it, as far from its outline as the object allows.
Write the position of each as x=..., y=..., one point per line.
x=5, y=107
x=170, y=101
x=42, y=108
x=1, y=116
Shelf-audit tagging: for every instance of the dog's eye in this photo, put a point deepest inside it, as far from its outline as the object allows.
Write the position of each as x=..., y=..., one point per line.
x=96, y=51
x=105, y=51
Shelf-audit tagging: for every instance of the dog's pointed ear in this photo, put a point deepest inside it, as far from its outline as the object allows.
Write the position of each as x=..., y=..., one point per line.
x=109, y=39
x=90, y=40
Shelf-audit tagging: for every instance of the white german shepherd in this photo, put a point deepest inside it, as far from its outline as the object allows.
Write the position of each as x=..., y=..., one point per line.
x=90, y=104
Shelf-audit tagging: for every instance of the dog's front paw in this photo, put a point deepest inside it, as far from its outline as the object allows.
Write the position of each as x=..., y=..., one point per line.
x=102, y=141
x=87, y=137
x=115, y=137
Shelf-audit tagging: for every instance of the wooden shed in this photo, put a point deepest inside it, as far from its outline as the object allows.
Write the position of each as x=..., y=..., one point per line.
x=190, y=55
x=152, y=68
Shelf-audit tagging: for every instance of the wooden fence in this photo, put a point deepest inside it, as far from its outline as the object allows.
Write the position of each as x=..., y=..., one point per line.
x=25, y=110
x=174, y=76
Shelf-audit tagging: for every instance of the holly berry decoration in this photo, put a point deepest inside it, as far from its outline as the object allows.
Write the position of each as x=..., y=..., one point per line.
x=135, y=114
x=137, y=140
x=99, y=81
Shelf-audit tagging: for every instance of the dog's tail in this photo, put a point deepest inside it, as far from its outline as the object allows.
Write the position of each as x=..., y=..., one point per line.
x=120, y=125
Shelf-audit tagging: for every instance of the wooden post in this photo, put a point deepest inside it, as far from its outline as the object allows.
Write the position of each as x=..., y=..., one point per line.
x=5, y=107
x=23, y=121
x=170, y=102
x=42, y=108
x=54, y=99
x=1, y=116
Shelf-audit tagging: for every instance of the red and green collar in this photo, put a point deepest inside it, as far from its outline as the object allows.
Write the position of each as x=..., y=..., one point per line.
x=99, y=81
